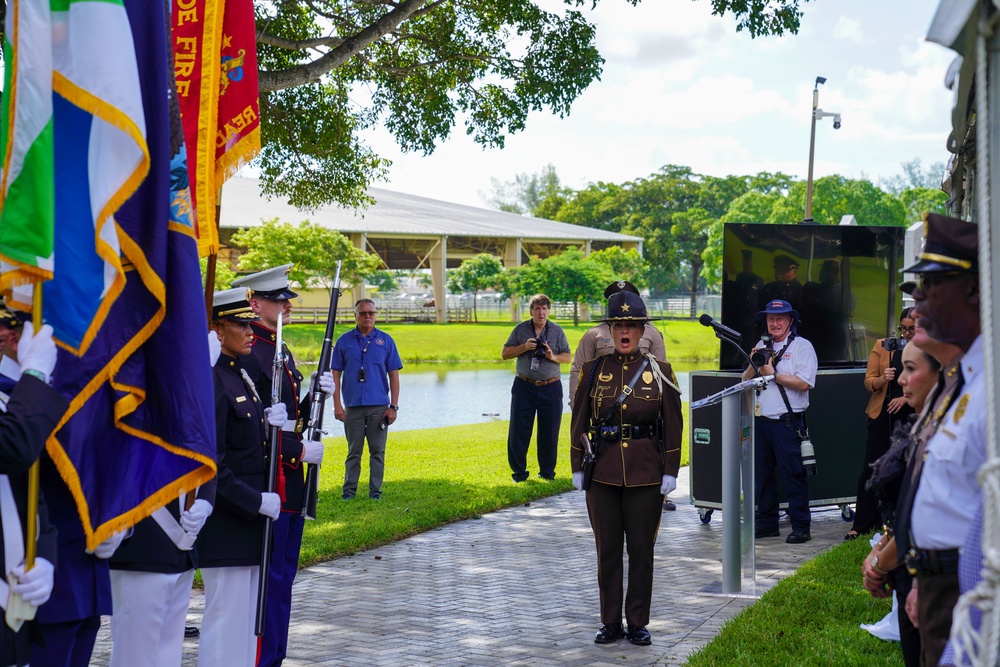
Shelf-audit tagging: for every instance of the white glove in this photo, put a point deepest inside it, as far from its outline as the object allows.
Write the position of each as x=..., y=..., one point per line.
x=106, y=549
x=312, y=452
x=276, y=415
x=578, y=480
x=214, y=348
x=35, y=585
x=326, y=382
x=270, y=505
x=37, y=351
x=668, y=484
x=193, y=520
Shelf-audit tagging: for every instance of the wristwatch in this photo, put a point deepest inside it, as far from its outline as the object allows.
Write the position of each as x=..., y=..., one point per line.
x=395, y=408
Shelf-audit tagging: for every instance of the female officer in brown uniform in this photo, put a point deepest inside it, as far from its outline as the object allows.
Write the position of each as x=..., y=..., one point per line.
x=638, y=444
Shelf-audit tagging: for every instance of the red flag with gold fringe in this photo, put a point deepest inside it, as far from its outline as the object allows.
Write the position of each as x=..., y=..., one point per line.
x=237, y=140
x=215, y=64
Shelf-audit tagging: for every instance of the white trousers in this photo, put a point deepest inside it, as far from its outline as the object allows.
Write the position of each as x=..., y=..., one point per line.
x=150, y=610
x=227, y=638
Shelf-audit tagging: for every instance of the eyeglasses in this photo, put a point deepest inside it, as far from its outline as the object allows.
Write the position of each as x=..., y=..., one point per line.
x=366, y=313
x=904, y=330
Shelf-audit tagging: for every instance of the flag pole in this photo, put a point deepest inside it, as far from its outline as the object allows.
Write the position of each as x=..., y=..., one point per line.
x=31, y=540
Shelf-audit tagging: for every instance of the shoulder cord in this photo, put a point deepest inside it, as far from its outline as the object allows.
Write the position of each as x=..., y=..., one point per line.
x=658, y=374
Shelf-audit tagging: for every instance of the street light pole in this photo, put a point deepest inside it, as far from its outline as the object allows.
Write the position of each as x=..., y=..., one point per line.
x=817, y=114
x=812, y=151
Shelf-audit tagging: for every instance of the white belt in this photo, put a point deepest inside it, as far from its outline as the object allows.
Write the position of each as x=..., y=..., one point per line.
x=166, y=521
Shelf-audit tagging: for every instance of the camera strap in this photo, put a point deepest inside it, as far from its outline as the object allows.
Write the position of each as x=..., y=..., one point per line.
x=802, y=434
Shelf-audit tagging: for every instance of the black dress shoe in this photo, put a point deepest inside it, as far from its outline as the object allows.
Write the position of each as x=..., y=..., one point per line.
x=639, y=635
x=609, y=633
x=668, y=505
x=798, y=537
x=191, y=631
x=761, y=532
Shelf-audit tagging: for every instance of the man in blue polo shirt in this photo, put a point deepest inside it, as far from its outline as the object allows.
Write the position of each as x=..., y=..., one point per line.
x=366, y=367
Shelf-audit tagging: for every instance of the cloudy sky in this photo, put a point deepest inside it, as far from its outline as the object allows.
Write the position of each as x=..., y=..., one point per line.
x=681, y=86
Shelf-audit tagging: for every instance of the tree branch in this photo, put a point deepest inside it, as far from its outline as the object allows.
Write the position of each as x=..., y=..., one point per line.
x=297, y=44
x=348, y=48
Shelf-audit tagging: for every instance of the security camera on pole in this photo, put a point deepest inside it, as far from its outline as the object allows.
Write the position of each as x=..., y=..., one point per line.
x=817, y=114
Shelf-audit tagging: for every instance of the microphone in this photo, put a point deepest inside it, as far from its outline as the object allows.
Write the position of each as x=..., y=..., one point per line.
x=720, y=329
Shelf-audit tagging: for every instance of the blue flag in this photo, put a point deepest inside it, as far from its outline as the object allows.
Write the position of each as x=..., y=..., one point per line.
x=140, y=428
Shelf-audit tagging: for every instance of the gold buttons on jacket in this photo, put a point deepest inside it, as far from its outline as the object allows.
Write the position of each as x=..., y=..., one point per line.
x=624, y=406
x=624, y=445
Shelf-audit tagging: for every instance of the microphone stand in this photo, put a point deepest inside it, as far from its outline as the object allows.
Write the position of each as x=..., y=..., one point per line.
x=723, y=337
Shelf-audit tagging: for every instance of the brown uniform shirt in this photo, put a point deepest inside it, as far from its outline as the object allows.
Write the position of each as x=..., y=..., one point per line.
x=630, y=462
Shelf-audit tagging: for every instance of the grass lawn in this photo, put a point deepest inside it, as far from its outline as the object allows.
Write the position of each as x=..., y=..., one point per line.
x=686, y=340
x=432, y=477
x=810, y=618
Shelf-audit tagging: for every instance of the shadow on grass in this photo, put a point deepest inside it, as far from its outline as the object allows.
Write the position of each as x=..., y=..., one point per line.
x=408, y=507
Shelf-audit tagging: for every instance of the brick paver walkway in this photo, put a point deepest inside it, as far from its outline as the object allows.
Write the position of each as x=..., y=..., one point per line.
x=517, y=587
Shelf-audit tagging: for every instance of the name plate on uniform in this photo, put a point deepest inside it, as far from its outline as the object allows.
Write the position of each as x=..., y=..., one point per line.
x=240, y=399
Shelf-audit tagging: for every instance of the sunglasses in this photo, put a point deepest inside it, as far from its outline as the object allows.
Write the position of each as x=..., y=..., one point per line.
x=366, y=313
x=929, y=280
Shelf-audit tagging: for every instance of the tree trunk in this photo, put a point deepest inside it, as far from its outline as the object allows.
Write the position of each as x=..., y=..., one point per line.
x=475, y=302
x=576, y=313
x=695, y=268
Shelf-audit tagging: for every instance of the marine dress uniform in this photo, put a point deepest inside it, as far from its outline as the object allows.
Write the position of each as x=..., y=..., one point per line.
x=272, y=284
x=229, y=546
x=31, y=414
x=638, y=446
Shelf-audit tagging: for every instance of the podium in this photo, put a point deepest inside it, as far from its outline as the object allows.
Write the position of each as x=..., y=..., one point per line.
x=738, y=556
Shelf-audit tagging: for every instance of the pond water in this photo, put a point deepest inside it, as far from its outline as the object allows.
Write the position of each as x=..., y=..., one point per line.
x=433, y=395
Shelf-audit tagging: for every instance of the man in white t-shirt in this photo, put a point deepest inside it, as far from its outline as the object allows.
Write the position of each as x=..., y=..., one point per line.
x=780, y=411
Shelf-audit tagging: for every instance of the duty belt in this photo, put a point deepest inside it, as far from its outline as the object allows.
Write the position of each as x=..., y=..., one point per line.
x=292, y=426
x=932, y=561
x=627, y=432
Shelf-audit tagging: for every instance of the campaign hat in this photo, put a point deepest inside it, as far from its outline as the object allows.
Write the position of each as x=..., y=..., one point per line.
x=269, y=283
x=627, y=306
x=950, y=246
x=619, y=286
x=233, y=305
x=777, y=307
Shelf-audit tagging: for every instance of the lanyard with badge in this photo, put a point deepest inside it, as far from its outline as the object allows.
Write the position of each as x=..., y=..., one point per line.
x=361, y=371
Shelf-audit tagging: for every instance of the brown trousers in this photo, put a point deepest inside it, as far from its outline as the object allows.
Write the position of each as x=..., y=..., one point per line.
x=935, y=604
x=620, y=514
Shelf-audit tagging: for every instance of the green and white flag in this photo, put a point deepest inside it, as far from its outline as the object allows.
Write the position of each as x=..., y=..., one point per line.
x=27, y=181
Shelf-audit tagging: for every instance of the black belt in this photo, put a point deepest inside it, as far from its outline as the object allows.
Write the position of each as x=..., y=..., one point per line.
x=788, y=416
x=627, y=432
x=932, y=561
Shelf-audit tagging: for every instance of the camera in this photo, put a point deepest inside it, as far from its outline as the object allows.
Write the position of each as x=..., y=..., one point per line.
x=836, y=122
x=759, y=358
x=540, y=349
x=893, y=344
x=808, y=456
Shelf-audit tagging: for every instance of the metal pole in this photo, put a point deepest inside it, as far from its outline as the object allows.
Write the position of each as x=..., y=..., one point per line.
x=812, y=152
x=731, y=580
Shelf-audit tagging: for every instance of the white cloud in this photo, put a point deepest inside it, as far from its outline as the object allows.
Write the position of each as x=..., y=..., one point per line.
x=848, y=30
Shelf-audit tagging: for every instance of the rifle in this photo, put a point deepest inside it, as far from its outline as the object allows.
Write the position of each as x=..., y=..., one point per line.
x=317, y=400
x=278, y=372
